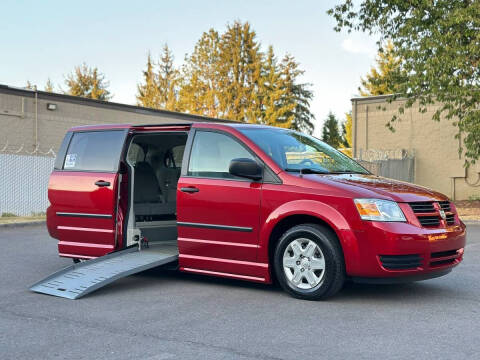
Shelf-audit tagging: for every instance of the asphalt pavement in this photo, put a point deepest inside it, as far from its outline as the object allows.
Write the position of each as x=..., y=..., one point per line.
x=169, y=315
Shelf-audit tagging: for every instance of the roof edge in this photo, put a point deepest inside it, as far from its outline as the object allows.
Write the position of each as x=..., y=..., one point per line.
x=104, y=104
x=372, y=97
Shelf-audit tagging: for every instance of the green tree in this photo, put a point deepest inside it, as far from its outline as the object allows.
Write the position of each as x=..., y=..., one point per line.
x=201, y=77
x=240, y=70
x=299, y=95
x=439, y=43
x=147, y=92
x=228, y=76
x=168, y=81
x=385, y=77
x=330, y=133
x=49, y=86
x=87, y=82
x=274, y=94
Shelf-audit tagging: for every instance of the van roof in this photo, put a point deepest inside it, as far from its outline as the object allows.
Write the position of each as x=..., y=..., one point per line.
x=172, y=124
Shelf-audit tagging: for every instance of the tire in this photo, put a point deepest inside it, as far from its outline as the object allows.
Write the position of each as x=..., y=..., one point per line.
x=308, y=262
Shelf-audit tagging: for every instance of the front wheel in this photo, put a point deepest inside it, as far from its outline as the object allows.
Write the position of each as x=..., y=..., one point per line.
x=308, y=262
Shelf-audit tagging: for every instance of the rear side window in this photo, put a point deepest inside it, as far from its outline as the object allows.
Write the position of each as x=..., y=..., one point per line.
x=177, y=153
x=212, y=153
x=94, y=151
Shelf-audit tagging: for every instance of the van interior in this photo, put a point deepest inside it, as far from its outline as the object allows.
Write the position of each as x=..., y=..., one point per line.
x=155, y=162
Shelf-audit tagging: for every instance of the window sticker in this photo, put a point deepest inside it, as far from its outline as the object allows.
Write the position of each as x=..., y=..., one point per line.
x=70, y=161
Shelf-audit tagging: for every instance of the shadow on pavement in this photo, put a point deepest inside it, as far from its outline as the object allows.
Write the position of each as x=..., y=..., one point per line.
x=158, y=278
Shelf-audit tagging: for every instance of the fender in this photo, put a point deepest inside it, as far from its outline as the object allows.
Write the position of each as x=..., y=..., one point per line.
x=321, y=211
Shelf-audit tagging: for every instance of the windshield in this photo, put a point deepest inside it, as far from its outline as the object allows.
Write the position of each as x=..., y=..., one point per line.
x=295, y=152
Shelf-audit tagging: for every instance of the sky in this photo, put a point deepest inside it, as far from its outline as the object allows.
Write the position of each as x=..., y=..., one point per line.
x=46, y=39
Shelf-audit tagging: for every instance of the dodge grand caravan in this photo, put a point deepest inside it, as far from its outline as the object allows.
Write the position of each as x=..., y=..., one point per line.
x=247, y=202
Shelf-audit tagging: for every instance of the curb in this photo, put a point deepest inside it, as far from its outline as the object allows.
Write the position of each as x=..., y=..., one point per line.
x=23, y=224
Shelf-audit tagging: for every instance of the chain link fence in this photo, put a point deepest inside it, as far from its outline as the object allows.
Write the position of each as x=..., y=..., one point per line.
x=398, y=164
x=24, y=181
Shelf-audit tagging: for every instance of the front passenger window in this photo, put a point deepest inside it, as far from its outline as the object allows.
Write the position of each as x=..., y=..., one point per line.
x=212, y=153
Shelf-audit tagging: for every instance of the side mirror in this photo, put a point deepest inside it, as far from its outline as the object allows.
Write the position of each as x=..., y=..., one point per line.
x=246, y=168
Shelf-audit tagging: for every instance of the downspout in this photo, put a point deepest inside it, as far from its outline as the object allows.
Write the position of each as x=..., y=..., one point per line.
x=36, y=121
x=366, y=127
x=354, y=145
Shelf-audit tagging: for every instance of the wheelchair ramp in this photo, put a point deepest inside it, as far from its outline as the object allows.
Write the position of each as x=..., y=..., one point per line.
x=81, y=279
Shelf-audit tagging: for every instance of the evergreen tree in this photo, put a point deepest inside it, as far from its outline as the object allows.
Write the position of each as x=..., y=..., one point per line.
x=240, y=70
x=147, y=92
x=228, y=76
x=49, y=86
x=384, y=78
x=201, y=78
x=168, y=81
x=87, y=82
x=330, y=133
x=347, y=135
x=298, y=94
x=347, y=131
x=274, y=94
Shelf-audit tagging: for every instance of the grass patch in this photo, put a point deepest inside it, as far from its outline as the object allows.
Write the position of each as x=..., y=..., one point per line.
x=8, y=215
x=20, y=219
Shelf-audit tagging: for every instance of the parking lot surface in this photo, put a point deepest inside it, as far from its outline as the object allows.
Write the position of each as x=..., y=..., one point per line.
x=168, y=315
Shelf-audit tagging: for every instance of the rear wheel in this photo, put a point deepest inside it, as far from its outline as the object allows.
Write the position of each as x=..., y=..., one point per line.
x=308, y=262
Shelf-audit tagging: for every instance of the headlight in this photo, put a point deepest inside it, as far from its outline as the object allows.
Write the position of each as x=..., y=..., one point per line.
x=379, y=210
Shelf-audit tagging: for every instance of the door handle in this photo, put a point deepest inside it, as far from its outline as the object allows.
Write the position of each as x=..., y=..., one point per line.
x=190, y=189
x=102, y=183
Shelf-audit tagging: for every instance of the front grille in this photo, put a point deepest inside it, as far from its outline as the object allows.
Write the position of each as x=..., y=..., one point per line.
x=442, y=262
x=443, y=254
x=401, y=262
x=422, y=207
x=425, y=207
x=443, y=257
x=450, y=219
x=445, y=205
x=429, y=221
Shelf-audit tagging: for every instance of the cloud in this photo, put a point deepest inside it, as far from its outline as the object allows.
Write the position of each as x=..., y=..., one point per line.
x=360, y=45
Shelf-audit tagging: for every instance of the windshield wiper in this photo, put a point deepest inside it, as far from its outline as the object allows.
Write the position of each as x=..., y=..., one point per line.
x=307, y=171
x=346, y=172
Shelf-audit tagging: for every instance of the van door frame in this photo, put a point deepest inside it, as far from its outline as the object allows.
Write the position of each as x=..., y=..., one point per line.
x=144, y=130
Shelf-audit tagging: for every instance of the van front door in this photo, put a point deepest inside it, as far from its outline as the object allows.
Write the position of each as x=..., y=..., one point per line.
x=217, y=213
x=83, y=191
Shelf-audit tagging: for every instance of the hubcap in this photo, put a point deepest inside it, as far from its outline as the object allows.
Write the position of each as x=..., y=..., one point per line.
x=303, y=263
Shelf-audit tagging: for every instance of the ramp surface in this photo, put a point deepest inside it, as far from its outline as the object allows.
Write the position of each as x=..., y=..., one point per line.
x=80, y=279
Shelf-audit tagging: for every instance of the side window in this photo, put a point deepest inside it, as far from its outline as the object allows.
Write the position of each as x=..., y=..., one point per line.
x=212, y=153
x=94, y=151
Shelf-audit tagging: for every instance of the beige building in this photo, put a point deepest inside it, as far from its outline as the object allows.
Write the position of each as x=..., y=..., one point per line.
x=431, y=144
x=36, y=121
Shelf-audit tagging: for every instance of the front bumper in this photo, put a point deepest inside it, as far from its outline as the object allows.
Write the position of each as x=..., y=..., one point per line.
x=402, y=250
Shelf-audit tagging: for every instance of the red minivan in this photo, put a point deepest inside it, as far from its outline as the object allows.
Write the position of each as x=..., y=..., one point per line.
x=247, y=202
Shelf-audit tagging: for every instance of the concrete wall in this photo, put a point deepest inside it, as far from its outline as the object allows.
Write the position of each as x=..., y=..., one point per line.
x=437, y=162
x=26, y=122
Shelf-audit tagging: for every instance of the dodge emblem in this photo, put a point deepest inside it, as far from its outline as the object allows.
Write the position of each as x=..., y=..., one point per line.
x=442, y=214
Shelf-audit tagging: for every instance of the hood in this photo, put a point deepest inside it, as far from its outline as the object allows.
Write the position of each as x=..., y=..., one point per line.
x=371, y=186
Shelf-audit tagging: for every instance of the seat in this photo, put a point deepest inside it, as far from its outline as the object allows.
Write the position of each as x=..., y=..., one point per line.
x=148, y=199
